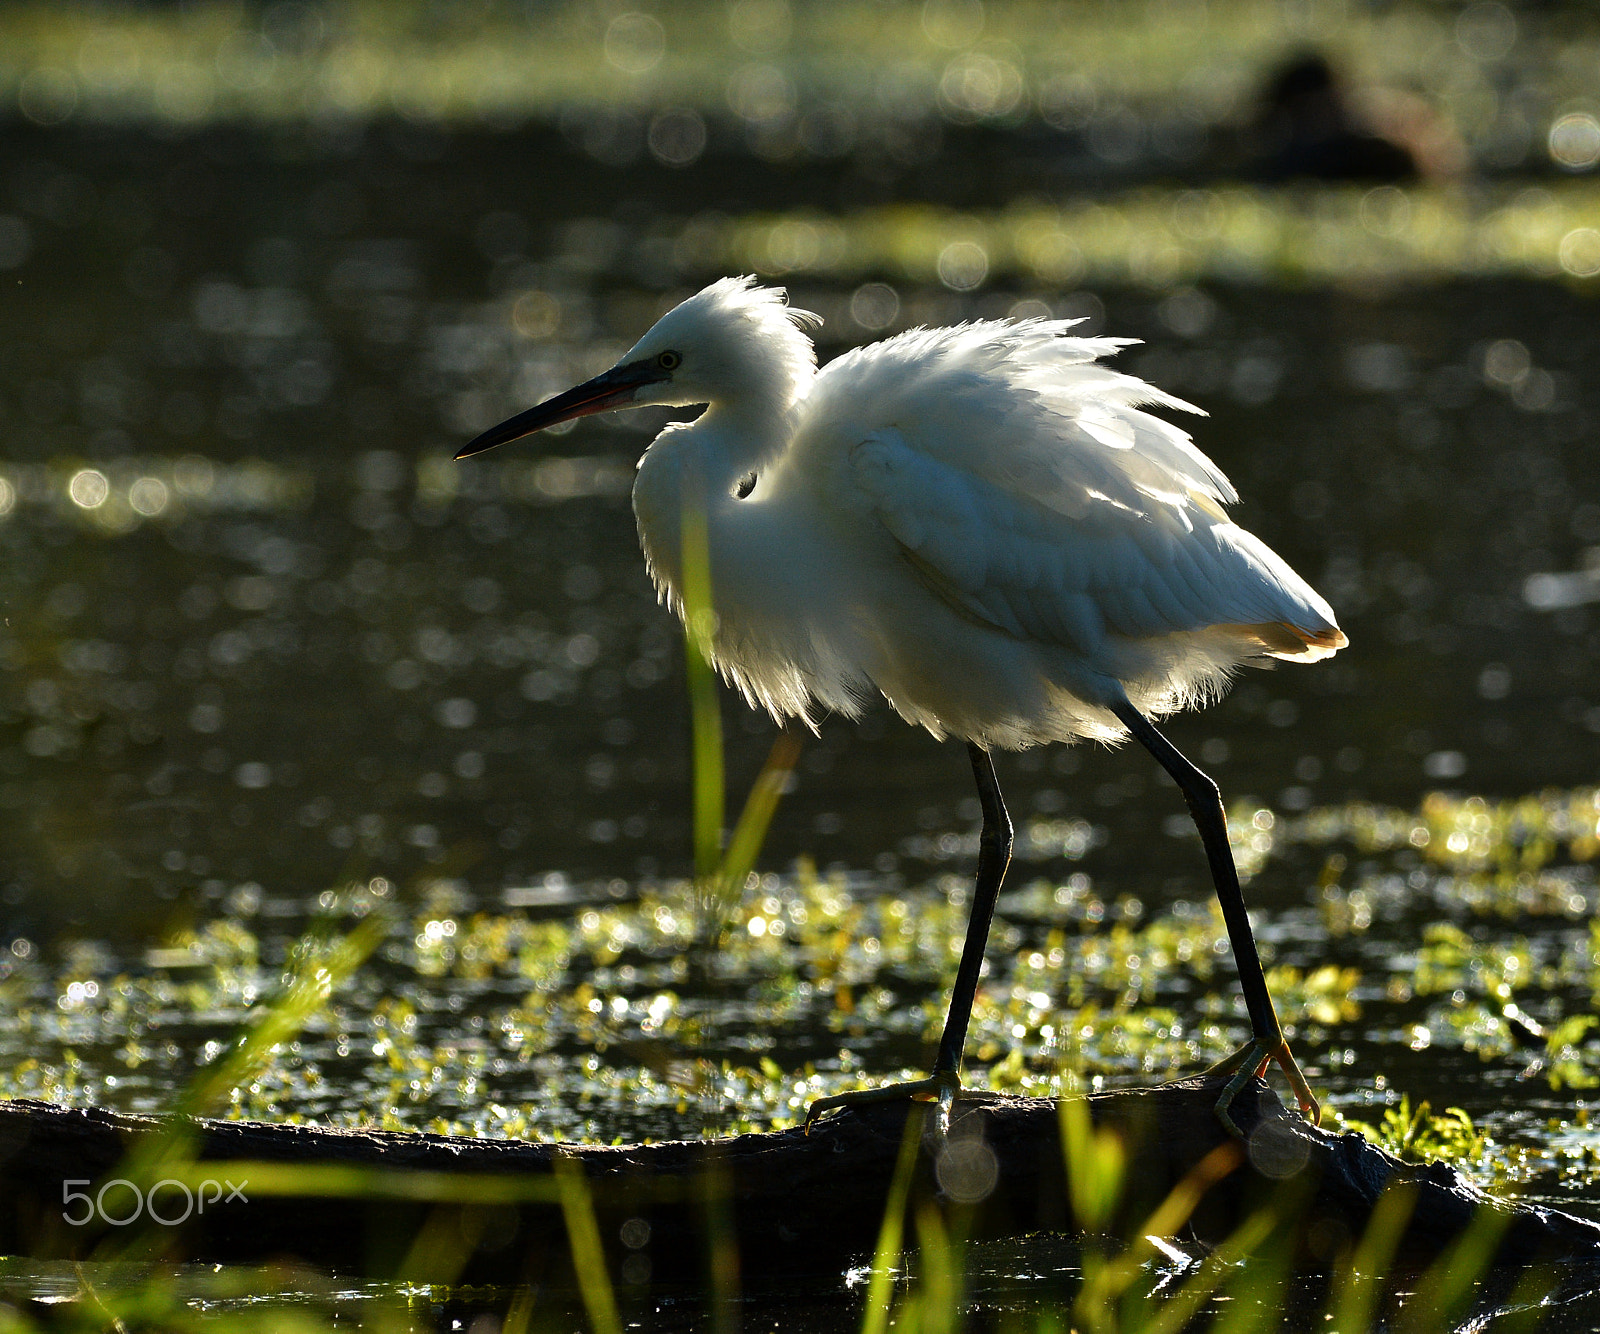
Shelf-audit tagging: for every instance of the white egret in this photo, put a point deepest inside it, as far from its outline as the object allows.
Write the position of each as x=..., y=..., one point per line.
x=983, y=524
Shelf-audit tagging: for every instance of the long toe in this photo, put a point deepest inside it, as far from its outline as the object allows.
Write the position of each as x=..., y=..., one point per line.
x=1252, y=1061
x=934, y=1088
x=1228, y=1064
x=1243, y=1065
x=1310, y=1108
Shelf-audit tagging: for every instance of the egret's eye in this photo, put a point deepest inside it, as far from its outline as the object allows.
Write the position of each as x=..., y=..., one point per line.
x=669, y=361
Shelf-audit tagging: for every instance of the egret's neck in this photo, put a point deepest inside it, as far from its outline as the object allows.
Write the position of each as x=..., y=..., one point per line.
x=745, y=434
x=700, y=468
x=753, y=398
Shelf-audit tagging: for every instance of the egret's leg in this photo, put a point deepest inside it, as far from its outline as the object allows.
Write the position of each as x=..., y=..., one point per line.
x=994, y=855
x=1205, y=806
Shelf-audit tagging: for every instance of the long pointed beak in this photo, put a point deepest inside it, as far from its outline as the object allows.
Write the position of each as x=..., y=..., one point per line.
x=613, y=389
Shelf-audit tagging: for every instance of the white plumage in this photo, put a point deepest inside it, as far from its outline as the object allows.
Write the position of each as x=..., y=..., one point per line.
x=984, y=524
x=981, y=522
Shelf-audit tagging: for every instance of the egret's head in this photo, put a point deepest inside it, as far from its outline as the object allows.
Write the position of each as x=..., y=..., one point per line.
x=731, y=343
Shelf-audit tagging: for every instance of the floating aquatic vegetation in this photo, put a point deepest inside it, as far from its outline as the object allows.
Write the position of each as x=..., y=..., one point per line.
x=1420, y=1135
x=598, y=1012
x=1139, y=237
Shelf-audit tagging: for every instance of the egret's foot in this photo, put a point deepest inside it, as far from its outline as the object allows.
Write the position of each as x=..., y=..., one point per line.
x=1251, y=1061
x=940, y=1088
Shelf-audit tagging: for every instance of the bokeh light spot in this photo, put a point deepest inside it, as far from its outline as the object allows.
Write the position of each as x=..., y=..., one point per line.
x=1574, y=141
x=88, y=489
x=635, y=43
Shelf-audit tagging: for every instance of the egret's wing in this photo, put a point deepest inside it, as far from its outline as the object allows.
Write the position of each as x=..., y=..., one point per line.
x=1029, y=490
x=1022, y=405
x=1006, y=561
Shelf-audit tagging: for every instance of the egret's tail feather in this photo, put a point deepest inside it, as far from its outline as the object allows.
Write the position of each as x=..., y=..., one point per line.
x=1279, y=639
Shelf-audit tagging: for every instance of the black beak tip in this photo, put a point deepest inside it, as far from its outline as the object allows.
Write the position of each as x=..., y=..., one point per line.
x=482, y=444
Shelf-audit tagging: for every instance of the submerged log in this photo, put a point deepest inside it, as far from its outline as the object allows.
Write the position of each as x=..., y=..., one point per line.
x=444, y=1208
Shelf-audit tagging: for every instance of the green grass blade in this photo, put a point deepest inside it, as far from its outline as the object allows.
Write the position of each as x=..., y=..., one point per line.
x=720, y=873
x=875, y=1318
x=1096, y=1161
x=362, y=1182
x=279, y=1022
x=1449, y=1282
x=1177, y=1312
x=705, y=713
x=1361, y=1284
x=312, y=987
x=940, y=1273
x=751, y=830
x=722, y=1249
x=588, y=1257
x=519, y=1315
x=1105, y=1281
x=720, y=894
x=1255, y=1298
